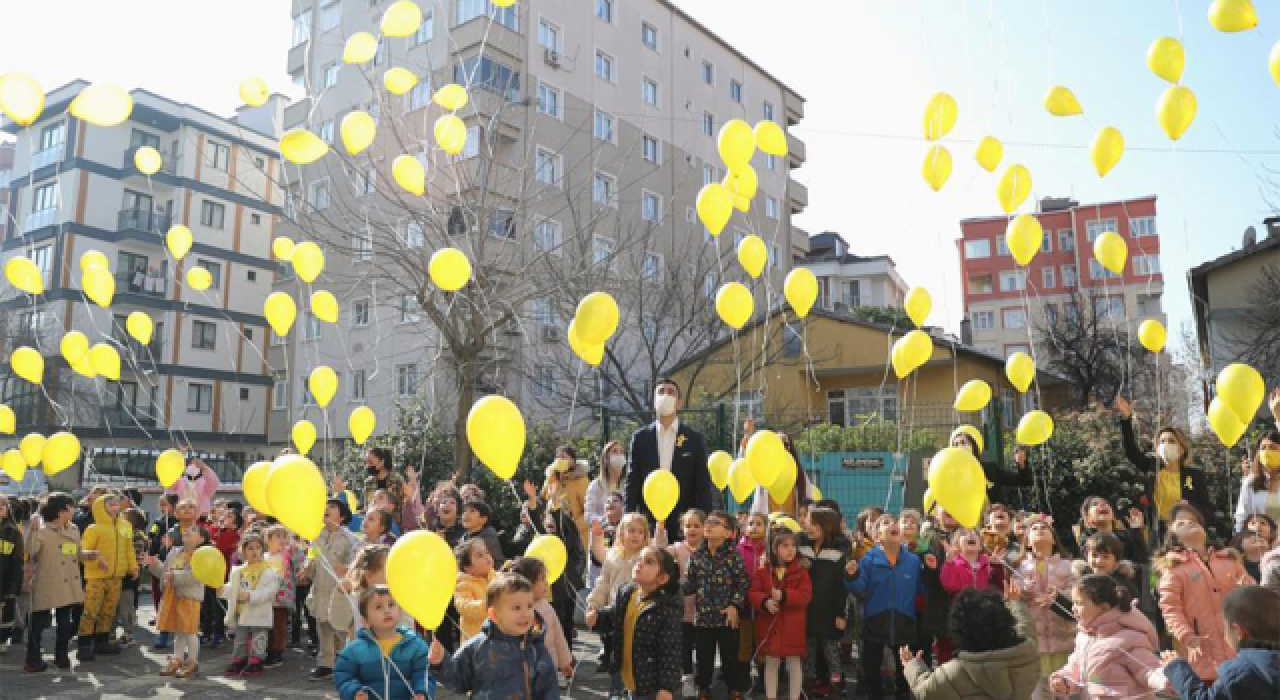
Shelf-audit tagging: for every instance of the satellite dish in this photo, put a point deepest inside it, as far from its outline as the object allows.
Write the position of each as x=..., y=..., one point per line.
x=1250, y=236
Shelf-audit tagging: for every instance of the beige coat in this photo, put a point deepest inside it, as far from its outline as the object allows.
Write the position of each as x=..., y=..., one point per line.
x=335, y=548
x=56, y=555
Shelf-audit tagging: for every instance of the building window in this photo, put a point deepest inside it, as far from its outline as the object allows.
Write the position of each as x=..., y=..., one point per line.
x=1048, y=278
x=709, y=174
x=1002, y=247
x=1098, y=272
x=330, y=15
x=414, y=237
x=549, y=35
x=45, y=198
x=1013, y=319
x=406, y=381
x=251, y=275
x=735, y=91
x=379, y=58
x=426, y=30
x=771, y=208
x=547, y=237
x=1096, y=227
x=215, y=272
x=547, y=166
x=1046, y=245
x=650, y=207
x=217, y=155
x=302, y=28
x=244, y=394
x=980, y=284
x=649, y=35
x=604, y=129
x=488, y=74
x=410, y=310
x=708, y=124
x=419, y=96
x=457, y=224
x=709, y=285
x=1015, y=281
x=1142, y=226
x=199, y=398
x=360, y=313
x=204, y=335
x=983, y=320
x=331, y=71
x=362, y=246
x=603, y=250
x=1108, y=307
x=319, y=198
x=852, y=406
x=604, y=10
x=51, y=137
x=541, y=313
x=549, y=100
x=767, y=111
x=279, y=391
x=367, y=182
x=652, y=149
x=471, y=9
x=326, y=131
x=503, y=224
x=1069, y=277
x=974, y=250
x=653, y=268
x=311, y=327
x=255, y=219
x=1066, y=240
x=708, y=73
x=359, y=385
x=1146, y=265
x=604, y=189
x=1149, y=305
x=649, y=91
x=42, y=257
x=604, y=66
x=212, y=214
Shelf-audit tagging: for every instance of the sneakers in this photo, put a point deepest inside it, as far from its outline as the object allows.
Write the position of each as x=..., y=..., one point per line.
x=688, y=688
x=173, y=667
x=321, y=673
x=254, y=668
x=84, y=652
x=236, y=668
x=188, y=670
x=273, y=660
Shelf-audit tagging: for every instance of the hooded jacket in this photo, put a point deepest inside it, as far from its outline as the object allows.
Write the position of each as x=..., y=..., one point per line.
x=1114, y=656
x=496, y=666
x=361, y=666
x=958, y=574
x=1191, y=594
x=572, y=496
x=889, y=612
x=112, y=539
x=11, y=558
x=1254, y=674
x=1053, y=631
x=783, y=634
x=1126, y=574
x=1001, y=674
x=826, y=574
x=655, y=641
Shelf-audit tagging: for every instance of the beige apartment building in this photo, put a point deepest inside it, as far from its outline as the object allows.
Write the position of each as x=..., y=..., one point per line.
x=591, y=128
x=847, y=280
x=202, y=382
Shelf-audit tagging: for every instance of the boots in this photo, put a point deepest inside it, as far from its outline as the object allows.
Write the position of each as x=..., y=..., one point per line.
x=84, y=648
x=102, y=644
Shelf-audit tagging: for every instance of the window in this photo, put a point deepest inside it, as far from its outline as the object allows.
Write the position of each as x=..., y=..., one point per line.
x=652, y=149
x=604, y=10
x=359, y=385
x=1015, y=281
x=771, y=208
x=255, y=219
x=653, y=268
x=326, y=131
x=45, y=198
x=503, y=224
x=457, y=224
x=767, y=111
x=852, y=406
x=279, y=391
x=604, y=189
x=215, y=271
x=549, y=100
x=414, y=237
x=1051, y=313
x=251, y=275
x=1069, y=276
x=319, y=198
x=299, y=79
x=217, y=155
x=602, y=250
x=735, y=91
x=549, y=35
x=360, y=313
x=1002, y=246
x=380, y=57
x=199, y=398
x=1149, y=305
x=212, y=214
x=980, y=284
x=541, y=313
x=426, y=30
x=51, y=137
x=419, y=97
x=604, y=66
x=244, y=394
x=362, y=246
x=406, y=380
x=31, y=326
x=709, y=174
x=1098, y=272
x=41, y=256
x=410, y=311
x=1142, y=226
x=708, y=124
x=1096, y=227
x=471, y=9
x=471, y=148
x=1072, y=310
x=649, y=91
x=983, y=320
x=1066, y=240
x=1048, y=277
x=485, y=73
x=1146, y=265
x=331, y=71
x=1013, y=319
x=547, y=237
x=544, y=381
x=708, y=73
x=1046, y=244
x=974, y=250
x=311, y=327
x=330, y=15
x=302, y=28
x=604, y=128
x=366, y=183
x=650, y=207
x=1108, y=307
x=204, y=335
x=649, y=35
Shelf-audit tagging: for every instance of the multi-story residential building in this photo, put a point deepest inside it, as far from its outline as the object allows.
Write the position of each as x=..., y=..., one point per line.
x=998, y=293
x=6, y=174
x=202, y=382
x=847, y=281
x=588, y=121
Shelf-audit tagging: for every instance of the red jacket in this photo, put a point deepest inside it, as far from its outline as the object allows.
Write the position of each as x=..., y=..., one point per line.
x=784, y=636
x=226, y=540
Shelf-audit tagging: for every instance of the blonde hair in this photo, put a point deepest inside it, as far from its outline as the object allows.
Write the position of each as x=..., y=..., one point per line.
x=628, y=520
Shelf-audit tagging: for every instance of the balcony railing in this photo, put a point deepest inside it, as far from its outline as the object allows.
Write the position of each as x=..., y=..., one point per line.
x=40, y=219
x=143, y=220
x=119, y=417
x=47, y=157
x=167, y=163
x=139, y=282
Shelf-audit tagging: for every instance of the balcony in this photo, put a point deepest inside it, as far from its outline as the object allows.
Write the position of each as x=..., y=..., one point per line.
x=40, y=219
x=796, y=150
x=798, y=196
x=145, y=221
x=47, y=157
x=138, y=282
x=168, y=165
x=119, y=417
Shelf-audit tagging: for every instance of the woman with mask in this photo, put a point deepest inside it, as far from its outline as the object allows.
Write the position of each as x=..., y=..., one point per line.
x=1260, y=493
x=1172, y=478
x=613, y=463
x=565, y=487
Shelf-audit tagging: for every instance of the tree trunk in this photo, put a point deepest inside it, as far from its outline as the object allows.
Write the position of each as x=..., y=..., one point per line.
x=466, y=398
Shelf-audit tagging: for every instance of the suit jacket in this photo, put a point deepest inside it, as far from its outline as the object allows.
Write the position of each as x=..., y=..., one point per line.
x=688, y=465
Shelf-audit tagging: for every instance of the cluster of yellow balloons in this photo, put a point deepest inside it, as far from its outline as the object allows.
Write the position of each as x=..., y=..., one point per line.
x=56, y=452
x=737, y=143
x=101, y=359
x=939, y=119
x=910, y=352
x=421, y=572
x=496, y=433
x=771, y=465
x=1176, y=108
x=1241, y=391
x=594, y=323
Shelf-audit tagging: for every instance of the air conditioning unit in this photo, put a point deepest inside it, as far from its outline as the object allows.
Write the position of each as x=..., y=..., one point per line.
x=551, y=334
x=552, y=57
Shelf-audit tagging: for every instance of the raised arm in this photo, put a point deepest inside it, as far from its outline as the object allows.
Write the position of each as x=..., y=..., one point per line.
x=1140, y=459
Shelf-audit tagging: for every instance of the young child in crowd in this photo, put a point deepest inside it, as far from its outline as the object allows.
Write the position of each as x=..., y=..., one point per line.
x=691, y=524
x=179, y=614
x=476, y=516
x=646, y=613
x=546, y=622
x=249, y=592
x=286, y=560
x=1115, y=651
x=11, y=568
x=780, y=594
x=630, y=539
x=1253, y=631
x=1043, y=573
x=608, y=528
x=475, y=572
x=156, y=547
x=376, y=528
x=1104, y=554
x=224, y=534
x=387, y=660
x=331, y=554
x=754, y=548
x=826, y=550
x=969, y=566
x=1097, y=515
x=112, y=538
x=718, y=577
x=127, y=607
x=1251, y=547
x=56, y=553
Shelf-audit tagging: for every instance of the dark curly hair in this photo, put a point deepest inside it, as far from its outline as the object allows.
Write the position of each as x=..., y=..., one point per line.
x=979, y=621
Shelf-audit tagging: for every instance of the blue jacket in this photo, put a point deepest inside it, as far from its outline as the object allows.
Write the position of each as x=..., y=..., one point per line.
x=497, y=666
x=888, y=589
x=361, y=666
x=1253, y=674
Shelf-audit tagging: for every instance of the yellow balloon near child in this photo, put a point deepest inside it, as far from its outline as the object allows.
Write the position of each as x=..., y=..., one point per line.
x=421, y=573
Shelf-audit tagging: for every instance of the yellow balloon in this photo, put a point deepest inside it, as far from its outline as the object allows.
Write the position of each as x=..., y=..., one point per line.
x=21, y=98
x=304, y=436
x=323, y=384
x=280, y=310
x=780, y=489
x=971, y=432
x=308, y=261
x=325, y=306
x=361, y=47
x=254, y=484
x=788, y=522
x=815, y=493
x=1152, y=335
x=734, y=304
x=718, y=465
x=32, y=448
x=597, y=317
x=296, y=494
x=958, y=484
x=1111, y=252
x=753, y=255
x=918, y=305
x=1023, y=238
x=84, y=368
x=361, y=423
x=936, y=169
x=1176, y=110
x=28, y=364
x=452, y=97
x=399, y=80
x=989, y=153
x=661, y=493
x=15, y=466
x=765, y=456
x=208, y=566
x=254, y=92
x=357, y=131
x=23, y=274
x=401, y=19
x=140, y=327
x=742, y=183
x=302, y=147
x=147, y=160
x=102, y=105
x=771, y=139
x=93, y=258
x=199, y=279
x=1035, y=428
x=801, y=290
x=590, y=354
x=408, y=172
x=105, y=361
x=939, y=116
x=1242, y=390
x=282, y=247
x=496, y=433
x=61, y=450
x=74, y=346
x=1106, y=149
x=99, y=285
x=169, y=467
x=1273, y=61
x=503, y=3
x=973, y=396
x=1013, y=188
x=915, y=350
x=1166, y=59
x=1232, y=15
x=421, y=573
x=715, y=206
x=1020, y=369
x=1225, y=424
x=1061, y=102
x=451, y=134
x=736, y=143
x=741, y=481
x=449, y=269
x=178, y=240
x=8, y=421
x=550, y=550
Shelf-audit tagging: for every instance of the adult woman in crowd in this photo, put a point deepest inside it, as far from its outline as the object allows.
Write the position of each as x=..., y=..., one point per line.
x=608, y=481
x=1260, y=493
x=1172, y=478
x=565, y=487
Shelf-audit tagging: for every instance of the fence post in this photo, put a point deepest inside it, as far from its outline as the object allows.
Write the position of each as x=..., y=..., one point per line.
x=722, y=441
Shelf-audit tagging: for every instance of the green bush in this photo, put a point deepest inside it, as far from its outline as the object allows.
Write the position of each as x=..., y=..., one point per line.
x=867, y=434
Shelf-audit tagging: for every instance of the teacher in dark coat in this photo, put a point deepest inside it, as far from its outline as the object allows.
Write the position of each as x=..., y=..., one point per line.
x=669, y=445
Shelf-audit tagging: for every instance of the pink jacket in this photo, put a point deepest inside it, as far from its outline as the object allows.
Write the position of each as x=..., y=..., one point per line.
x=958, y=574
x=1038, y=578
x=683, y=553
x=751, y=552
x=1191, y=593
x=198, y=483
x=1114, y=657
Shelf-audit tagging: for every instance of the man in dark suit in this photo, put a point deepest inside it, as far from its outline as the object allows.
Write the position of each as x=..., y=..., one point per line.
x=669, y=445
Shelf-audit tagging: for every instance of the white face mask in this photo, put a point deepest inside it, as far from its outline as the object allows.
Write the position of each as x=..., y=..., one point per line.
x=665, y=405
x=617, y=461
x=1169, y=452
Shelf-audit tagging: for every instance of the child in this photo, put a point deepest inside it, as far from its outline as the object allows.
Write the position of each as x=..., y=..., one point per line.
x=475, y=572
x=827, y=552
x=970, y=567
x=910, y=521
x=1253, y=630
x=1097, y=515
x=631, y=538
x=608, y=528
x=225, y=536
x=755, y=552
x=387, y=660
x=376, y=528
x=56, y=553
x=889, y=577
x=333, y=550
x=647, y=614
x=547, y=621
x=691, y=524
x=1115, y=648
x=369, y=570
x=127, y=608
x=112, y=537
x=1042, y=574
x=486, y=666
x=1264, y=526
x=249, y=591
x=11, y=568
x=718, y=577
x=475, y=520
x=158, y=551
x=286, y=560
x=780, y=594
x=1251, y=547
x=179, y=614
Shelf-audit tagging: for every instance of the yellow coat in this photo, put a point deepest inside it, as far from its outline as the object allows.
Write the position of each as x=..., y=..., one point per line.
x=469, y=599
x=112, y=539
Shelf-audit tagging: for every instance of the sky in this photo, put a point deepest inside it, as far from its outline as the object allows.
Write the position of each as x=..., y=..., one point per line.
x=866, y=69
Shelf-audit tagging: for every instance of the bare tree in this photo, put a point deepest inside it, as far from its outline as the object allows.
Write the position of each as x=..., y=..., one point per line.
x=1257, y=334
x=1087, y=342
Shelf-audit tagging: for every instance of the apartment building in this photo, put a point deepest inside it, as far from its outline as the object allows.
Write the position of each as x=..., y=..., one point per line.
x=612, y=106
x=1063, y=272
x=202, y=382
x=847, y=281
